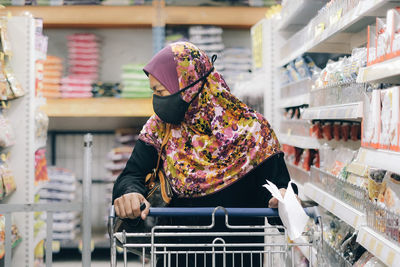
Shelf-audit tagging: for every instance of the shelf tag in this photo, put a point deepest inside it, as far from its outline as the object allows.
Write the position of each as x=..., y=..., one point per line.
x=372, y=244
x=390, y=258
x=379, y=248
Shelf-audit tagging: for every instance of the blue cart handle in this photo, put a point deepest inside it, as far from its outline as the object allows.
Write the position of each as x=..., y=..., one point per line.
x=219, y=211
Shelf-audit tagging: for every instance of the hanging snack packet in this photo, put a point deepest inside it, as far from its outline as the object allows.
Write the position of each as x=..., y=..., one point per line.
x=7, y=137
x=15, y=86
x=8, y=180
x=5, y=42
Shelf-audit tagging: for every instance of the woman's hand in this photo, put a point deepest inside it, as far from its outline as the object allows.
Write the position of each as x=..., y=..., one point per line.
x=273, y=202
x=128, y=206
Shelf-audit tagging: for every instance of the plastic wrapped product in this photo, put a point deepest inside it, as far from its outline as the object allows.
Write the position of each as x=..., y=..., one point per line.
x=345, y=131
x=336, y=131
x=355, y=131
x=302, y=68
x=382, y=39
x=327, y=130
x=392, y=192
x=376, y=184
x=7, y=136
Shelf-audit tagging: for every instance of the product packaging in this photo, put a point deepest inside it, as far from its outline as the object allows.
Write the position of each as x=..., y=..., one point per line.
x=382, y=39
x=392, y=192
x=7, y=136
x=393, y=26
x=376, y=184
x=371, y=122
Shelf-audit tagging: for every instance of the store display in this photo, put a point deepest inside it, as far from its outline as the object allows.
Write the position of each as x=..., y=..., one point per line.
x=7, y=183
x=7, y=135
x=15, y=236
x=301, y=68
x=384, y=38
x=101, y=89
x=237, y=60
x=41, y=174
x=135, y=83
x=52, y=73
x=61, y=187
x=83, y=59
x=209, y=39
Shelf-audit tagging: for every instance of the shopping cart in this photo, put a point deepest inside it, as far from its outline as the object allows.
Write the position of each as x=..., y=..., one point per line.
x=182, y=245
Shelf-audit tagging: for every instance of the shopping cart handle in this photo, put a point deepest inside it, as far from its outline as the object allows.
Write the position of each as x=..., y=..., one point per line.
x=219, y=211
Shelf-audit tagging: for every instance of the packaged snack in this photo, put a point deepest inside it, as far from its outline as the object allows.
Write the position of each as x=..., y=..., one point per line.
x=327, y=131
x=8, y=180
x=345, y=131
x=337, y=131
x=316, y=130
x=382, y=39
x=376, y=184
x=5, y=42
x=392, y=192
x=371, y=121
x=15, y=236
x=355, y=131
x=294, y=75
x=15, y=86
x=7, y=136
x=302, y=68
x=298, y=153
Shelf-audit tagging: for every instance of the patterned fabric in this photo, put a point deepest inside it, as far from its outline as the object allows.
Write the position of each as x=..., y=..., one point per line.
x=220, y=140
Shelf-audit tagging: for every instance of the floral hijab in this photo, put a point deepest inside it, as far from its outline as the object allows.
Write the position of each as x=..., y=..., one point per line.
x=220, y=140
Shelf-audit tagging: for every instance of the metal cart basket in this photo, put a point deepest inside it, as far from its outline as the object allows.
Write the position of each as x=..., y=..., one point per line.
x=192, y=246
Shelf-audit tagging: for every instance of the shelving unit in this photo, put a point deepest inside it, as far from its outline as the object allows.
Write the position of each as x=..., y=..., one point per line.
x=385, y=250
x=387, y=71
x=141, y=16
x=338, y=38
x=298, y=174
x=384, y=159
x=99, y=107
x=353, y=111
x=299, y=141
x=300, y=13
x=22, y=157
x=295, y=101
x=340, y=209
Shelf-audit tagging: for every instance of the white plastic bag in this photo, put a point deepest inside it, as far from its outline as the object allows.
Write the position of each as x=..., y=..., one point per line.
x=290, y=211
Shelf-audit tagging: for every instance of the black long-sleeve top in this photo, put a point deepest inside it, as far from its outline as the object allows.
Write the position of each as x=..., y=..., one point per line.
x=246, y=192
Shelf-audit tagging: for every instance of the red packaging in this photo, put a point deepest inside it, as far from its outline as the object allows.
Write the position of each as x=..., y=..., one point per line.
x=345, y=131
x=298, y=152
x=307, y=158
x=355, y=131
x=336, y=131
x=316, y=131
x=327, y=131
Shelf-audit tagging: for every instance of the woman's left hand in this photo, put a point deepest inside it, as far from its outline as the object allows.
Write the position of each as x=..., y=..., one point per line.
x=273, y=202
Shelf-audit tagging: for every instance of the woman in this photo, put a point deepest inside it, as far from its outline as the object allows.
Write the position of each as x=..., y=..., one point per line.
x=220, y=151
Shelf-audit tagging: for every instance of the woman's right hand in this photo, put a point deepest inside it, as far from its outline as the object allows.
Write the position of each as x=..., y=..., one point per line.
x=128, y=206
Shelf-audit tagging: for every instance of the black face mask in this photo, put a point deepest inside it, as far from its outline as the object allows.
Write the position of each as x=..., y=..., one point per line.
x=172, y=108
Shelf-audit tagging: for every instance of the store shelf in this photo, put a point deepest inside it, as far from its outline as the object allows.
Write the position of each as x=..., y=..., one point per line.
x=336, y=38
x=387, y=251
x=296, y=101
x=299, y=141
x=351, y=111
x=141, y=16
x=385, y=72
x=298, y=174
x=383, y=159
x=98, y=107
x=298, y=14
x=340, y=209
x=234, y=17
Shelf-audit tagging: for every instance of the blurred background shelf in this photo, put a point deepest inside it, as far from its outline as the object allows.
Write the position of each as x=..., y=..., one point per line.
x=387, y=71
x=351, y=111
x=141, y=16
x=99, y=107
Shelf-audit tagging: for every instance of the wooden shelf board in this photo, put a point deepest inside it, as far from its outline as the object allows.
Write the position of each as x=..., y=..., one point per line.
x=237, y=17
x=90, y=16
x=141, y=16
x=99, y=107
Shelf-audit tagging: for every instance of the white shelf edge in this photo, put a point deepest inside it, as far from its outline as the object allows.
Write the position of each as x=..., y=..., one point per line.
x=340, y=209
x=386, y=71
x=299, y=141
x=363, y=9
x=343, y=111
x=384, y=159
x=299, y=100
x=387, y=251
